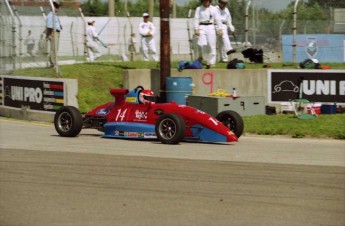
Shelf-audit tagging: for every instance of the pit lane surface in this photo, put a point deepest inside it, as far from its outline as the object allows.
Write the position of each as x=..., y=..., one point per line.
x=49, y=180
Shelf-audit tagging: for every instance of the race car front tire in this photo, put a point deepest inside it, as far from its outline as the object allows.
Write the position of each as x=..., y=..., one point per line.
x=232, y=120
x=68, y=121
x=170, y=129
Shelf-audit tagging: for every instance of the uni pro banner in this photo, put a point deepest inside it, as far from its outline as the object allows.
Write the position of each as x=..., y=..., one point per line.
x=323, y=86
x=324, y=47
x=35, y=93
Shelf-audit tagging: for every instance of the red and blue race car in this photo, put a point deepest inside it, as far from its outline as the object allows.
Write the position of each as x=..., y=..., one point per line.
x=134, y=114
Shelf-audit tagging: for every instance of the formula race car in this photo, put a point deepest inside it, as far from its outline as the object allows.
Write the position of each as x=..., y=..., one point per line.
x=134, y=114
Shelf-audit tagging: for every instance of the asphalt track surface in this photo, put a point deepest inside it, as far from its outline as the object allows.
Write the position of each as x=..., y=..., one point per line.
x=49, y=180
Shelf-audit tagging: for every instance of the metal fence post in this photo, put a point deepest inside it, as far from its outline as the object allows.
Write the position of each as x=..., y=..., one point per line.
x=246, y=30
x=13, y=34
x=54, y=39
x=84, y=33
x=20, y=36
x=294, y=44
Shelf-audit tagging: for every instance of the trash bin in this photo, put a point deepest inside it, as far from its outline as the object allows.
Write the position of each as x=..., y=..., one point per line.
x=178, y=88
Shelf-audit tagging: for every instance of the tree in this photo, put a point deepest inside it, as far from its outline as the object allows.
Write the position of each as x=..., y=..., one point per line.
x=311, y=19
x=326, y=4
x=95, y=8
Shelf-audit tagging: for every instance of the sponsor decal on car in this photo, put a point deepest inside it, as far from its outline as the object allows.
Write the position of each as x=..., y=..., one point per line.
x=103, y=111
x=215, y=121
x=119, y=133
x=132, y=134
x=140, y=114
x=131, y=99
x=150, y=135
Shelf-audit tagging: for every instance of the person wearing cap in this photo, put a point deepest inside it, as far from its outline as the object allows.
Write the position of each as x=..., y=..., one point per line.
x=147, y=31
x=206, y=26
x=93, y=50
x=223, y=41
x=51, y=35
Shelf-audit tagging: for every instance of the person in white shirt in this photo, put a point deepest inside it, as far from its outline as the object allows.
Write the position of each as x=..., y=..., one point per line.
x=93, y=50
x=30, y=43
x=206, y=24
x=224, y=44
x=42, y=45
x=147, y=31
x=50, y=34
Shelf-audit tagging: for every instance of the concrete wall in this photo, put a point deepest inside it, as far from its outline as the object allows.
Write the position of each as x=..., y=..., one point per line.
x=247, y=82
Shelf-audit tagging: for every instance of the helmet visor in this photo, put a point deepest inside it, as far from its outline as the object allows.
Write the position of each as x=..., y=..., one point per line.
x=150, y=98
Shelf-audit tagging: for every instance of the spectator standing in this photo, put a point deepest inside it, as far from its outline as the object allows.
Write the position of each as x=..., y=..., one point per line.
x=30, y=43
x=147, y=31
x=224, y=44
x=206, y=24
x=93, y=50
x=42, y=45
x=53, y=37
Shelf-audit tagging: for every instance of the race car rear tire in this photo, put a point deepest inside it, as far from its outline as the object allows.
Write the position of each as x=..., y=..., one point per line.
x=170, y=129
x=232, y=120
x=68, y=121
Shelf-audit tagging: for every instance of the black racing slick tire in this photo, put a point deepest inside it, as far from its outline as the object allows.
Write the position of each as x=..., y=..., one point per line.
x=232, y=120
x=170, y=129
x=68, y=121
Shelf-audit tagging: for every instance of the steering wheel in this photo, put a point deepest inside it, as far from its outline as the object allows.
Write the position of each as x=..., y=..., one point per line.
x=138, y=87
x=137, y=90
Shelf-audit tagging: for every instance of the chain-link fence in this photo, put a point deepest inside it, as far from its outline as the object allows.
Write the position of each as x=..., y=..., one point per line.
x=257, y=29
x=23, y=40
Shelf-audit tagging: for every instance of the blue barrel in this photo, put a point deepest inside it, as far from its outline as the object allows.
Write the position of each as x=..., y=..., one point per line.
x=178, y=88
